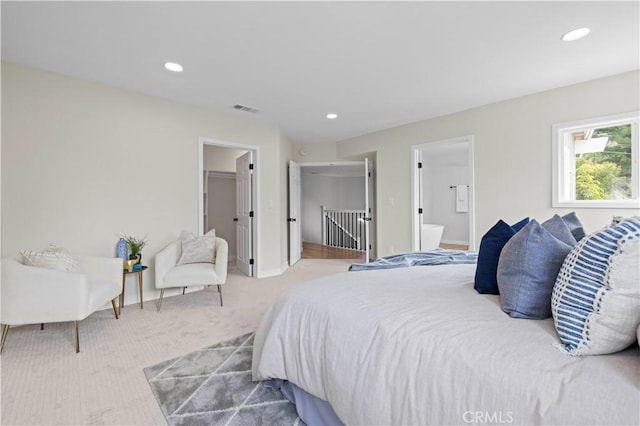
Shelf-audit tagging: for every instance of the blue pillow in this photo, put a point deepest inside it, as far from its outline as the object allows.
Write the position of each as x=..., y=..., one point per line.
x=529, y=265
x=560, y=229
x=574, y=224
x=491, y=245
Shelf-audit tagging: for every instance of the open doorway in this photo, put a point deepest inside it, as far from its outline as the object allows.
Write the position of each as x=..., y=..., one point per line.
x=335, y=211
x=228, y=201
x=443, y=195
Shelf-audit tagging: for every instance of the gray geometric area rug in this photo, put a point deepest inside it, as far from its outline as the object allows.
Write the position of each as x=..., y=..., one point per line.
x=213, y=386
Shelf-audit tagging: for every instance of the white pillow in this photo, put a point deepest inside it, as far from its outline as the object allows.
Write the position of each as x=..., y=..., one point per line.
x=596, y=297
x=198, y=249
x=186, y=235
x=52, y=257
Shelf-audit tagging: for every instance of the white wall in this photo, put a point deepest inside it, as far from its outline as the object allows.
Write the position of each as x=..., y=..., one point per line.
x=441, y=170
x=512, y=155
x=334, y=192
x=83, y=162
x=221, y=159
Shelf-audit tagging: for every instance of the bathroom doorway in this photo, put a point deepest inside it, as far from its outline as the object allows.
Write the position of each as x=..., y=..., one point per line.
x=443, y=195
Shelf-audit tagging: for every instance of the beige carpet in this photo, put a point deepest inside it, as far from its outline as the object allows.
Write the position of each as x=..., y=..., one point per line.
x=43, y=381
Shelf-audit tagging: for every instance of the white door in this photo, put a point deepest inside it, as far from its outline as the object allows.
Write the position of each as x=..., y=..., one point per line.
x=420, y=210
x=372, y=211
x=367, y=209
x=244, y=213
x=295, y=237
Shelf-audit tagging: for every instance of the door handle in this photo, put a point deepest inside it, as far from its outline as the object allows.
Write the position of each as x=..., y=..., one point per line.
x=291, y=219
x=235, y=219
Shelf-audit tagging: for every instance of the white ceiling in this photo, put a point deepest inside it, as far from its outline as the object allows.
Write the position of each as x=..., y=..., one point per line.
x=377, y=64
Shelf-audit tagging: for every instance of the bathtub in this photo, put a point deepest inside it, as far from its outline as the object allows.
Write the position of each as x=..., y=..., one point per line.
x=430, y=236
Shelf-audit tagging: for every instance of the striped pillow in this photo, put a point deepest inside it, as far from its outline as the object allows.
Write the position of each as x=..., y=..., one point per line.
x=596, y=297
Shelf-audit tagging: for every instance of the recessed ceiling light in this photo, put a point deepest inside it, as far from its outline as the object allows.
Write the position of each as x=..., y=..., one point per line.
x=332, y=116
x=576, y=34
x=172, y=66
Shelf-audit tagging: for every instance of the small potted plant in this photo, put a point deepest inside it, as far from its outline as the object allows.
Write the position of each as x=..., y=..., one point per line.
x=135, y=245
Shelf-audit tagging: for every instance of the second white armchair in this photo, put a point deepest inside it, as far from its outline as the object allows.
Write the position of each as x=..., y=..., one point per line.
x=171, y=273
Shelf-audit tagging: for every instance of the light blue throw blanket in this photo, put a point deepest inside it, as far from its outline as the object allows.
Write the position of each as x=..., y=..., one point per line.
x=418, y=258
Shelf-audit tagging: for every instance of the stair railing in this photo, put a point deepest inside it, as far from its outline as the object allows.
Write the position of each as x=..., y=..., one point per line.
x=343, y=228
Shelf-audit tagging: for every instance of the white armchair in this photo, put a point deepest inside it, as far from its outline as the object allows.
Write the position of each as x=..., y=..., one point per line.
x=32, y=295
x=170, y=275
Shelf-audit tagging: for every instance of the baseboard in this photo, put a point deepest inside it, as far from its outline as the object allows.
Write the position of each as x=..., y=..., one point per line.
x=153, y=294
x=458, y=243
x=274, y=272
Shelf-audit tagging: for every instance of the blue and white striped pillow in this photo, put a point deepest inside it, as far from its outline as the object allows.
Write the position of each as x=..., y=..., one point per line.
x=596, y=297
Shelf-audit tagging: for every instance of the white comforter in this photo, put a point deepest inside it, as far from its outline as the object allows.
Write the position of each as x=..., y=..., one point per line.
x=420, y=346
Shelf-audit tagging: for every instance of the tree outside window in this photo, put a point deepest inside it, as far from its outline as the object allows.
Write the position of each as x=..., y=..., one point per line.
x=596, y=162
x=606, y=175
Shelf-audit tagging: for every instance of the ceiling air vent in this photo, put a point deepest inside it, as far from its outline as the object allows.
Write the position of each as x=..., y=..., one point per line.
x=246, y=108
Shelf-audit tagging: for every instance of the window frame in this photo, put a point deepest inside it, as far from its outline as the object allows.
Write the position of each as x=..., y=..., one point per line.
x=559, y=196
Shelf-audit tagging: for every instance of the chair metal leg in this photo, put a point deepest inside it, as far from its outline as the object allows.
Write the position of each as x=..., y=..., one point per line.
x=77, y=327
x=41, y=326
x=160, y=301
x=5, y=331
x=220, y=291
x=113, y=304
x=183, y=289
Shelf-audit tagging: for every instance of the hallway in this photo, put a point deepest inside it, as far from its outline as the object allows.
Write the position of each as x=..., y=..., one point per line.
x=318, y=251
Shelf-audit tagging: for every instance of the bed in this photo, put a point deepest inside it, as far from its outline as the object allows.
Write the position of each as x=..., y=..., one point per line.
x=419, y=346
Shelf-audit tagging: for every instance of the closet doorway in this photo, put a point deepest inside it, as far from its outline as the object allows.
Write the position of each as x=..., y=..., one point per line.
x=228, y=199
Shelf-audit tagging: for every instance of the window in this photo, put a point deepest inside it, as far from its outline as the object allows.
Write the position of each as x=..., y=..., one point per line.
x=596, y=163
